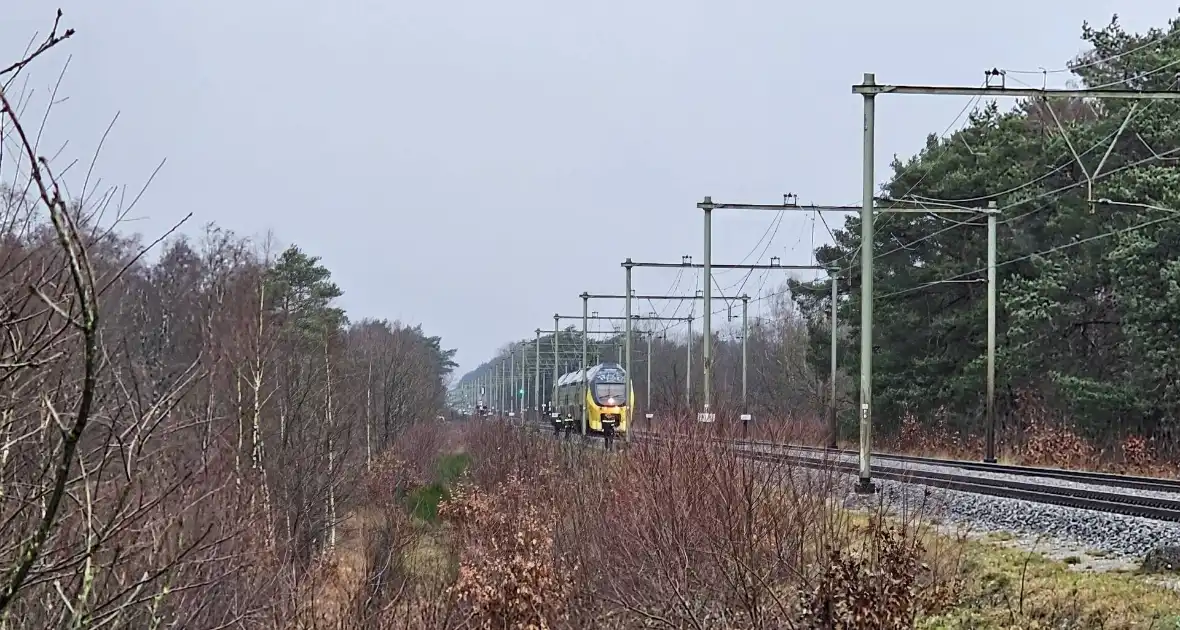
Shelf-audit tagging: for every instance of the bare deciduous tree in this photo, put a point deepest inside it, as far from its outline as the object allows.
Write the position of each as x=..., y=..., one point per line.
x=179, y=439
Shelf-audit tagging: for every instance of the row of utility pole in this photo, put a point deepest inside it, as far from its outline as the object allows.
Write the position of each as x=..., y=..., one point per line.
x=869, y=89
x=629, y=319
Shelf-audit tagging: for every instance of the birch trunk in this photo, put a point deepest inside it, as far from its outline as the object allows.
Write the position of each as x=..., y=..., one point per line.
x=331, y=499
x=369, y=418
x=6, y=429
x=256, y=383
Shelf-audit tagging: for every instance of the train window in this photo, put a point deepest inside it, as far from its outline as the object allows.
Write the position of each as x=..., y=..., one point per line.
x=604, y=391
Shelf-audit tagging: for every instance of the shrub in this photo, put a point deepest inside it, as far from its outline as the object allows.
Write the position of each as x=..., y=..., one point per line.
x=680, y=533
x=878, y=586
x=510, y=573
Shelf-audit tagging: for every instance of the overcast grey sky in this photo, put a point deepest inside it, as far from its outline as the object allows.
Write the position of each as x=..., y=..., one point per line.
x=475, y=165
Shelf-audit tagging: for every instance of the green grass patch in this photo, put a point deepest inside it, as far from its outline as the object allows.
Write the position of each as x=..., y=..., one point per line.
x=450, y=467
x=423, y=501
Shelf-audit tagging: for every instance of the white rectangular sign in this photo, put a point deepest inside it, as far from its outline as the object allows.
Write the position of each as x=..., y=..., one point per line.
x=706, y=417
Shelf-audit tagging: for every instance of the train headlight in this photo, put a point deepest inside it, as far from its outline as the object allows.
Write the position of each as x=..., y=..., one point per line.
x=610, y=401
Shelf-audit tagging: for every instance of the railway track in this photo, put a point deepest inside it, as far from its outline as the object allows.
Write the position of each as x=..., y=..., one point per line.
x=1152, y=484
x=972, y=477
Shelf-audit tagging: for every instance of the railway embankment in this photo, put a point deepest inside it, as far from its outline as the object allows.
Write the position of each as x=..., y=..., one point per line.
x=1122, y=518
x=1035, y=575
x=484, y=523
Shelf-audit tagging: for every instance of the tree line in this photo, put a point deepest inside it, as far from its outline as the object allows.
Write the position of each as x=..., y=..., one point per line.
x=179, y=437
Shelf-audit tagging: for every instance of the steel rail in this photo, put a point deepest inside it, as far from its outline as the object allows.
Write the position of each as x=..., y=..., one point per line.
x=1133, y=482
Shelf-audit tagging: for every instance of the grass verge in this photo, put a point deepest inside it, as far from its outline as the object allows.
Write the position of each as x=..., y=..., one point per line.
x=423, y=501
x=1012, y=588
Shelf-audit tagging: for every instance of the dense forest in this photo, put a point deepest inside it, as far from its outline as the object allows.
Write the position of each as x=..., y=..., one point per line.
x=1088, y=278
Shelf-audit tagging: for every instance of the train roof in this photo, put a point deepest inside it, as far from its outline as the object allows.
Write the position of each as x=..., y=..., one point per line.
x=569, y=377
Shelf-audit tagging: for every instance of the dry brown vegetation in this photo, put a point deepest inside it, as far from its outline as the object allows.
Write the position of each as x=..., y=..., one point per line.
x=541, y=533
x=181, y=441
x=1036, y=436
x=545, y=534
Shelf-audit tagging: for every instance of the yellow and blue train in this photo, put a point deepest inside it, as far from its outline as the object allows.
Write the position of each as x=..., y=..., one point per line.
x=602, y=392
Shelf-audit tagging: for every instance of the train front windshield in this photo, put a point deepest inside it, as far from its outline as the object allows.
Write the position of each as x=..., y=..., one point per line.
x=605, y=393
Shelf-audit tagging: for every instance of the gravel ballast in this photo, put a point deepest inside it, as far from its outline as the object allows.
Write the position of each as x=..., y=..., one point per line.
x=1113, y=534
